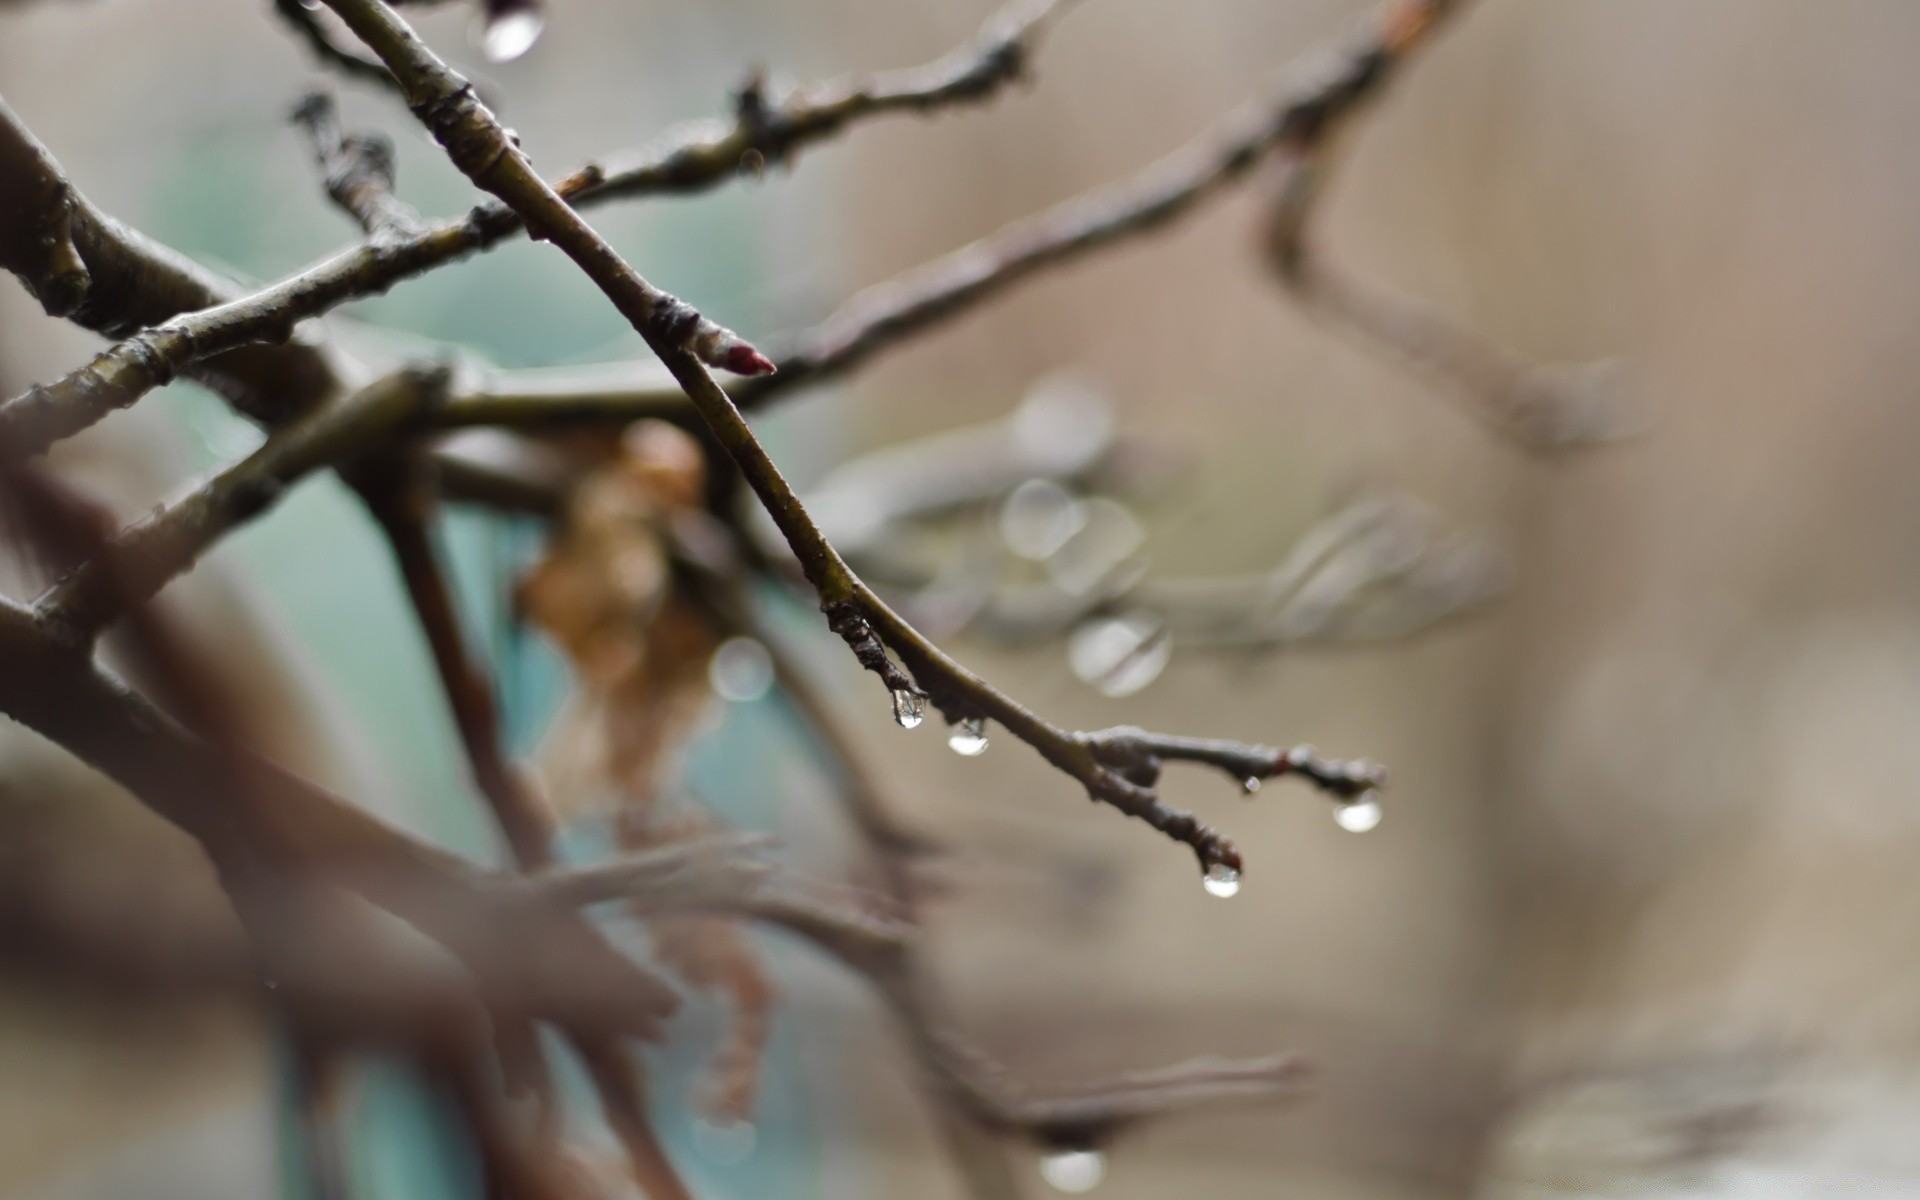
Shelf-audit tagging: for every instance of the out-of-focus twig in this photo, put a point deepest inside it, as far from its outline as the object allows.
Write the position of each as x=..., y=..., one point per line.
x=1544, y=408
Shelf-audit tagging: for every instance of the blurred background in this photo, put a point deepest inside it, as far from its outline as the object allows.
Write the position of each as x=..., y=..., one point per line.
x=1639, y=918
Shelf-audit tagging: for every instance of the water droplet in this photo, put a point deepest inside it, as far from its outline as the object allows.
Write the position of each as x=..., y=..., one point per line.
x=1038, y=517
x=909, y=708
x=1103, y=553
x=1063, y=425
x=1074, y=1171
x=1250, y=784
x=969, y=738
x=1222, y=881
x=1360, y=815
x=740, y=670
x=509, y=32
x=725, y=1141
x=753, y=164
x=1120, y=655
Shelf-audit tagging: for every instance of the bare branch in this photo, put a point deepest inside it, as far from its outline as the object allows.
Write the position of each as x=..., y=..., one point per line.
x=358, y=169
x=130, y=283
x=709, y=876
x=1313, y=90
x=403, y=505
x=1543, y=408
x=767, y=130
x=149, y=553
x=305, y=22
x=223, y=320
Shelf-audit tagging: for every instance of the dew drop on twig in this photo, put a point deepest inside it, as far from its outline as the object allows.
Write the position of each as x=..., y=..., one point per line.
x=1360, y=814
x=969, y=738
x=507, y=32
x=909, y=708
x=1074, y=1171
x=1250, y=784
x=1222, y=881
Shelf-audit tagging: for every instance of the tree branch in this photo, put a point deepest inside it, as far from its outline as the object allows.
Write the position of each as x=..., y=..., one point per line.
x=1543, y=408
x=130, y=283
x=1313, y=90
x=147, y=554
x=403, y=505
x=305, y=22
x=219, y=321
x=358, y=169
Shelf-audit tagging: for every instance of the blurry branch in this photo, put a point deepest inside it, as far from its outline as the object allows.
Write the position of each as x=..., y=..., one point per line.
x=261, y=826
x=233, y=825
x=220, y=318
x=1543, y=408
x=533, y=956
x=147, y=554
x=396, y=493
x=1372, y=570
x=358, y=170
x=1380, y=566
x=106, y=277
x=306, y=23
x=714, y=875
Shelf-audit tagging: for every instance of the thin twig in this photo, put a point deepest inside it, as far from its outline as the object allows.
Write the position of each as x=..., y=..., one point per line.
x=358, y=169
x=147, y=554
x=405, y=507
x=305, y=22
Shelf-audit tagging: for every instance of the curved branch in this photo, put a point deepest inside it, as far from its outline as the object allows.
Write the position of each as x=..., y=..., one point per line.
x=1543, y=408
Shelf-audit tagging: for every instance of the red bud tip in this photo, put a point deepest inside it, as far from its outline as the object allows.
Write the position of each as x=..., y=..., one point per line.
x=743, y=359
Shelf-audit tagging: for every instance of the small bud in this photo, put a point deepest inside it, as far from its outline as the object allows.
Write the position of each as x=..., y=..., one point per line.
x=743, y=359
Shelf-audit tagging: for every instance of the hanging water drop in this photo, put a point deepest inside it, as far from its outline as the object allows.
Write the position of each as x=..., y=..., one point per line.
x=725, y=1141
x=1222, y=881
x=1250, y=784
x=1359, y=815
x=1074, y=1171
x=509, y=30
x=909, y=708
x=969, y=738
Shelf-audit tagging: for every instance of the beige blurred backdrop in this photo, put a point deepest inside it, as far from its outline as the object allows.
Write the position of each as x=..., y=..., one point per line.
x=1641, y=914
